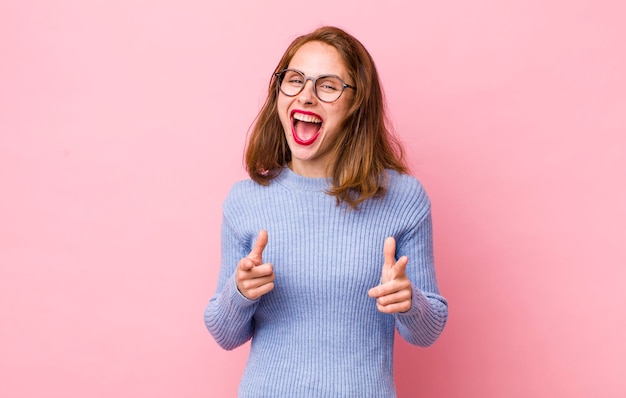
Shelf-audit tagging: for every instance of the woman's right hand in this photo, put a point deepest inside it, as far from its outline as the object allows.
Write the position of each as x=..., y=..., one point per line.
x=253, y=277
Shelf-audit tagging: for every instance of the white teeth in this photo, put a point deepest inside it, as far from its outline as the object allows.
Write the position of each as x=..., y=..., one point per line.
x=307, y=118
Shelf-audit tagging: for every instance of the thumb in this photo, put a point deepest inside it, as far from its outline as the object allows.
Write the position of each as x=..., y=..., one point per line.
x=256, y=254
x=399, y=269
x=246, y=264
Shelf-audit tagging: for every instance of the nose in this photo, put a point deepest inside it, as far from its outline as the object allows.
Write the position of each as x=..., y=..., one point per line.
x=307, y=95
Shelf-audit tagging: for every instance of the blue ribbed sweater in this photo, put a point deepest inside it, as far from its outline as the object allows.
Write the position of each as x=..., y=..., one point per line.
x=317, y=333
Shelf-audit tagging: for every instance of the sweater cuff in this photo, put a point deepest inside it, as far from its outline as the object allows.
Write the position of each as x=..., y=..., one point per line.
x=418, y=301
x=234, y=297
x=423, y=323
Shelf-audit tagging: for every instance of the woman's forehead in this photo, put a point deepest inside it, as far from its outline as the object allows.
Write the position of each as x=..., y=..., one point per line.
x=315, y=58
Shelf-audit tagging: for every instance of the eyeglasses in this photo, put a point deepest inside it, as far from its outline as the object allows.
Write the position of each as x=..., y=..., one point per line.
x=328, y=88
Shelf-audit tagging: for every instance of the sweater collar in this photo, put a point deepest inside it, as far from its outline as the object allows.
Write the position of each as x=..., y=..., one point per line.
x=292, y=180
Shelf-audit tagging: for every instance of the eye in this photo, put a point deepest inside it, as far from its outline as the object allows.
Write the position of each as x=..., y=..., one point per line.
x=329, y=84
x=293, y=78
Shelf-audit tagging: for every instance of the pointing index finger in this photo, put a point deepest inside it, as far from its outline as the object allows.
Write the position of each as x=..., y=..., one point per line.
x=257, y=251
x=389, y=250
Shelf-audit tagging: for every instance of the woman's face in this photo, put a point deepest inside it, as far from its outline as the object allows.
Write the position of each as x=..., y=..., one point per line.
x=311, y=125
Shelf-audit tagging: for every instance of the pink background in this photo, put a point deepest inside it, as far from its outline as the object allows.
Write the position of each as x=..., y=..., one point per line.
x=122, y=125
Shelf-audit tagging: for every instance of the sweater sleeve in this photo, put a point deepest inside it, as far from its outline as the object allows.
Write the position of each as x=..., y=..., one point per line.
x=424, y=322
x=229, y=314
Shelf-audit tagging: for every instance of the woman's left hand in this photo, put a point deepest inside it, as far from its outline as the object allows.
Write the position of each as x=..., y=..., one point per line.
x=394, y=293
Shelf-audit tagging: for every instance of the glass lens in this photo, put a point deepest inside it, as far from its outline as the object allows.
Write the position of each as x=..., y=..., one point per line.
x=328, y=88
x=292, y=82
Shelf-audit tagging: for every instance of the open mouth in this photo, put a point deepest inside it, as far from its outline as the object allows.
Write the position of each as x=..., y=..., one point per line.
x=305, y=126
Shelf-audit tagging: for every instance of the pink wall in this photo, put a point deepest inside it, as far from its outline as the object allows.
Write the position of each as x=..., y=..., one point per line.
x=120, y=135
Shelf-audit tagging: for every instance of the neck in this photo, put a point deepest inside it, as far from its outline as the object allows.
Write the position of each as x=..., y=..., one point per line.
x=309, y=170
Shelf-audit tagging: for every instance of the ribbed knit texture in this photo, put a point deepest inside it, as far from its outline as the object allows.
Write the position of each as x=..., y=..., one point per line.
x=317, y=333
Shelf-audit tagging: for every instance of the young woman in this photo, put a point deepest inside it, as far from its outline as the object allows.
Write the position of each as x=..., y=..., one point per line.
x=328, y=247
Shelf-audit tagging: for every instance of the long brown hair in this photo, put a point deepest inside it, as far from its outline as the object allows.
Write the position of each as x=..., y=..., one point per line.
x=365, y=146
